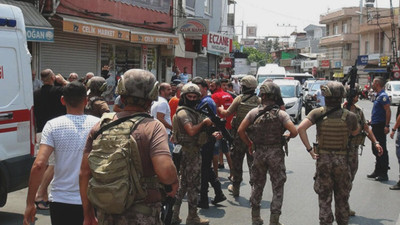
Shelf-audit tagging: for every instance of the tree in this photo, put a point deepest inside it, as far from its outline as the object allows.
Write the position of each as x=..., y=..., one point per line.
x=255, y=56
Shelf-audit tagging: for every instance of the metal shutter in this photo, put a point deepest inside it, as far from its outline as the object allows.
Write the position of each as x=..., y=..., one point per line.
x=70, y=53
x=202, y=66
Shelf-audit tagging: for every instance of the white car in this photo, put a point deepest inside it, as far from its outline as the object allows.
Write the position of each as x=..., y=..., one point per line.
x=392, y=88
x=292, y=97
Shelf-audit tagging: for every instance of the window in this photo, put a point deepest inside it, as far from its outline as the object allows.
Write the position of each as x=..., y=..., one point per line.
x=345, y=28
x=335, y=29
x=327, y=30
x=208, y=7
x=366, y=50
x=190, y=4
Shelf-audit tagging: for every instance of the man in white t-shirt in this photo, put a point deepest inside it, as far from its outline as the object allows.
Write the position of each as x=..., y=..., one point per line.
x=161, y=111
x=65, y=136
x=320, y=98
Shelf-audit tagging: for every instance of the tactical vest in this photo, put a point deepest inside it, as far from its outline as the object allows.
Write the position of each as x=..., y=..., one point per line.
x=333, y=134
x=247, y=103
x=181, y=137
x=267, y=129
x=117, y=180
x=359, y=139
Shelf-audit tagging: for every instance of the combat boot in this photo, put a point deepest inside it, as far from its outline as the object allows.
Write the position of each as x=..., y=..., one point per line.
x=255, y=216
x=175, y=220
x=194, y=219
x=234, y=189
x=274, y=219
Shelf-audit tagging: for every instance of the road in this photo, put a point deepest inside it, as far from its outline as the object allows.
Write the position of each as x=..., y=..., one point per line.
x=373, y=202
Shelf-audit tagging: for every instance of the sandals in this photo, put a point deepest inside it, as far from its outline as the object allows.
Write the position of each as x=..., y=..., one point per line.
x=42, y=205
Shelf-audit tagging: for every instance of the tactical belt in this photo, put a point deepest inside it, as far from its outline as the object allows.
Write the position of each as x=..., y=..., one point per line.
x=269, y=146
x=334, y=152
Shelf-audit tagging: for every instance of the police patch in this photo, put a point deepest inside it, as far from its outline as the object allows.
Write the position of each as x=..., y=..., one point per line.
x=384, y=99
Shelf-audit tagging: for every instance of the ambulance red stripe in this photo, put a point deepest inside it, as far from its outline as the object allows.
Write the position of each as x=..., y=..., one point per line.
x=17, y=116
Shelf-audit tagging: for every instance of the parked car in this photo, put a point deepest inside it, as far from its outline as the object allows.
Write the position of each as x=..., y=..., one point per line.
x=309, y=101
x=392, y=88
x=292, y=97
x=302, y=77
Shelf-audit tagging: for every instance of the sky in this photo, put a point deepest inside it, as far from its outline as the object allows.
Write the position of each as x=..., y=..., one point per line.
x=278, y=17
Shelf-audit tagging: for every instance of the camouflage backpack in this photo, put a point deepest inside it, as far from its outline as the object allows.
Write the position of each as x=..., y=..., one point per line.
x=117, y=177
x=247, y=103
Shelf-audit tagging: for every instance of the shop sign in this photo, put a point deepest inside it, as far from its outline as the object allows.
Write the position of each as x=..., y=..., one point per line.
x=193, y=26
x=384, y=60
x=309, y=64
x=374, y=56
x=154, y=39
x=144, y=58
x=95, y=30
x=362, y=60
x=219, y=43
x=338, y=64
x=286, y=62
x=296, y=62
x=39, y=34
x=325, y=63
x=226, y=63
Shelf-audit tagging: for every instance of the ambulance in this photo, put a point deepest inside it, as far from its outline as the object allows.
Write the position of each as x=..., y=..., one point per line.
x=17, y=133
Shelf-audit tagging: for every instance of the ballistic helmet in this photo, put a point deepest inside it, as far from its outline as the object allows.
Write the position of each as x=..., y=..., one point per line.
x=190, y=88
x=249, y=82
x=138, y=83
x=270, y=89
x=356, y=87
x=333, y=89
x=96, y=84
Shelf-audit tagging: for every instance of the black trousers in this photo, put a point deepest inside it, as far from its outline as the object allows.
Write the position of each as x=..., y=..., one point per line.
x=207, y=173
x=382, y=162
x=66, y=214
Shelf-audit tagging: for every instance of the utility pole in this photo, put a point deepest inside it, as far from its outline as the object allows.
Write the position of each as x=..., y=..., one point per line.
x=394, y=42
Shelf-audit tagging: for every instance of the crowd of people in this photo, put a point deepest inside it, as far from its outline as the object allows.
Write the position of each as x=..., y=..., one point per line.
x=107, y=167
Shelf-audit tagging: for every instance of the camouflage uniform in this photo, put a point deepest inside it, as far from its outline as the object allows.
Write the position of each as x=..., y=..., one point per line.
x=132, y=217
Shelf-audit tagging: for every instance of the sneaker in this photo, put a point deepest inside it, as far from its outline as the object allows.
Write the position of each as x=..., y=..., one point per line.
x=396, y=186
x=372, y=175
x=382, y=178
x=221, y=166
x=218, y=199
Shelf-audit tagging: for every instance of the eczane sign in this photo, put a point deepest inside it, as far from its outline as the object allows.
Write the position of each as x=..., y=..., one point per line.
x=219, y=43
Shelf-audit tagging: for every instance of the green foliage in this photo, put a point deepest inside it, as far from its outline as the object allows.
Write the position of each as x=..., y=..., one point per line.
x=255, y=55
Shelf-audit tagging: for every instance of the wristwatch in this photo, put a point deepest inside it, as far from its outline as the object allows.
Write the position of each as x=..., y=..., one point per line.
x=387, y=125
x=375, y=143
x=309, y=150
x=394, y=130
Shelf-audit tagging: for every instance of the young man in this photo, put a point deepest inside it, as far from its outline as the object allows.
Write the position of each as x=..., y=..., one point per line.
x=66, y=136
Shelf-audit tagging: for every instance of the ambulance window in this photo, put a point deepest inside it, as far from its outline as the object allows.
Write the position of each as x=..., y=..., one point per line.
x=9, y=76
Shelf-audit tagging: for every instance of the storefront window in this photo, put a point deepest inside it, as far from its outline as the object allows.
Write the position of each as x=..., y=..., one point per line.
x=152, y=60
x=119, y=58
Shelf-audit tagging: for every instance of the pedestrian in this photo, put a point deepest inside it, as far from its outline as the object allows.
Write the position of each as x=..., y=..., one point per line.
x=320, y=99
x=174, y=101
x=73, y=77
x=137, y=88
x=161, y=111
x=380, y=122
x=88, y=76
x=36, y=83
x=333, y=174
x=236, y=85
x=231, y=91
x=187, y=131
x=175, y=74
x=66, y=136
x=96, y=105
x=264, y=142
x=240, y=107
x=358, y=141
x=221, y=98
x=207, y=152
x=395, y=128
x=184, y=77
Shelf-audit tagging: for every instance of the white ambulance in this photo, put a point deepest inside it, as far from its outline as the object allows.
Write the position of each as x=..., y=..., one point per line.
x=17, y=134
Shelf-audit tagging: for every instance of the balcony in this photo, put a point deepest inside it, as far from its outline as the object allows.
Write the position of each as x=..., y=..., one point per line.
x=338, y=39
x=338, y=15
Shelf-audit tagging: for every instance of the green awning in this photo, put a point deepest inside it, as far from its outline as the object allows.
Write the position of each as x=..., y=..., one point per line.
x=288, y=55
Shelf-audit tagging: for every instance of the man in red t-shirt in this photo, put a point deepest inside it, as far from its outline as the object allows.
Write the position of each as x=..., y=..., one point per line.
x=174, y=101
x=223, y=98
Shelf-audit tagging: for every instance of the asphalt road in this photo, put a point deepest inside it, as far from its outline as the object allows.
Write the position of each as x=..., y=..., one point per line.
x=373, y=202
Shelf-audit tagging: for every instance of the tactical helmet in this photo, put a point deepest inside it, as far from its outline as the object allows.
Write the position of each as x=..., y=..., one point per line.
x=270, y=89
x=190, y=88
x=333, y=89
x=96, y=84
x=356, y=87
x=138, y=83
x=249, y=81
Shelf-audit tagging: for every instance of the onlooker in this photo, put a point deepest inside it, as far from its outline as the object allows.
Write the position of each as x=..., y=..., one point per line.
x=73, y=77
x=319, y=98
x=138, y=90
x=231, y=91
x=88, y=76
x=236, y=85
x=380, y=120
x=212, y=76
x=160, y=110
x=36, y=83
x=184, y=77
x=174, y=101
x=66, y=136
x=118, y=104
x=176, y=72
x=96, y=105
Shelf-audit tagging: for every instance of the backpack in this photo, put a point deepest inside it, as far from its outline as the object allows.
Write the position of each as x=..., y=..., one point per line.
x=245, y=105
x=116, y=165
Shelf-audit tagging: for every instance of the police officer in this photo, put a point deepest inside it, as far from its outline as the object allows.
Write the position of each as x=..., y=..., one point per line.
x=241, y=105
x=96, y=105
x=188, y=131
x=267, y=124
x=358, y=140
x=333, y=174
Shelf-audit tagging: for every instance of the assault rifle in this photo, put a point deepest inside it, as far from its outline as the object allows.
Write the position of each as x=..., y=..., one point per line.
x=218, y=122
x=166, y=209
x=350, y=79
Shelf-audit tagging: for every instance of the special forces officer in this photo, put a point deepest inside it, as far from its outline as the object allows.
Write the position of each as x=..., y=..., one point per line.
x=187, y=131
x=333, y=174
x=241, y=105
x=267, y=124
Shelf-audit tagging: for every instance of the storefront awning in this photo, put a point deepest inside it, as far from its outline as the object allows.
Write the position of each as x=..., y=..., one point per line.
x=117, y=31
x=37, y=27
